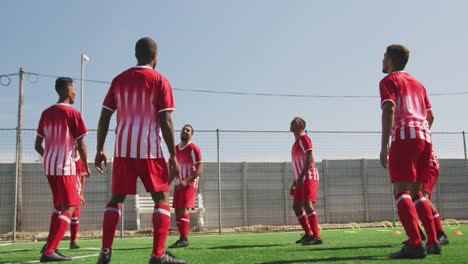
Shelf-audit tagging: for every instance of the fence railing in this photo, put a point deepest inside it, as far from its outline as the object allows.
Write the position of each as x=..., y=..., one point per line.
x=245, y=182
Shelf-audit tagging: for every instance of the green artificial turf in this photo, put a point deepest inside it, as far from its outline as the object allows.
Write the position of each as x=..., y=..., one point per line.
x=340, y=246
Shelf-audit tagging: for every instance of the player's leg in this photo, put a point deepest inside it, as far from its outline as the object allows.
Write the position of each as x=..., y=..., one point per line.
x=182, y=221
x=300, y=215
x=154, y=175
x=441, y=236
x=421, y=204
x=403, y=157
x=66, y=198
x=309, y=198
x=124, y=179
x=74, y=226
x=55, y=213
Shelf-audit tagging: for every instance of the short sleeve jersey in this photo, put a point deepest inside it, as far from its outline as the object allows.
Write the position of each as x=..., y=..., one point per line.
x=411, y=105
x=187, y=157
x=138, y=95
x=434, y=166
x=299, y=157
x=60, y=126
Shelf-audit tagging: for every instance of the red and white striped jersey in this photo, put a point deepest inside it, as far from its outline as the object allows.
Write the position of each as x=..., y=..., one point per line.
x=60, y=126
x=139, y=94
x=187, y=157
x=434, y=167
x=80, y=172
x=298, y=154
x=411, y=105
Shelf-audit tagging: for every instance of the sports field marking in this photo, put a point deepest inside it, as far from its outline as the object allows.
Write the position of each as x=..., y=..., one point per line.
x=73, y=258
x=5, y=244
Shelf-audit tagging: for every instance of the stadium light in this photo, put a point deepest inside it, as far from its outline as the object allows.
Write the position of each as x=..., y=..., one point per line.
x=84, y=58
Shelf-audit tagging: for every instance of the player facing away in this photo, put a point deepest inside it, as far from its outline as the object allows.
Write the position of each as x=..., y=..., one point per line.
x=305, y=185
x=407, y=118
x=427, y=189
x=80, y=185
x=60, y=127
x=143, y=100
x=190, y=163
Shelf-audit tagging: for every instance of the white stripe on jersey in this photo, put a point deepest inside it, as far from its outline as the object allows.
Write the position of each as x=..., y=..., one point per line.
x=193, y=156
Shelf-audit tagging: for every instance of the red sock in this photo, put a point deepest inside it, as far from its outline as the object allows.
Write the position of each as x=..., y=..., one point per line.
x=427, y=219
x=179, y=226
x=161, y=222
x=408, y=217
x=185, y=223
x=109, y=224
x=62, y=224
x=53, y=222
x=302, y=219
x=74, y=225
x=313, y=222
x=437, y=222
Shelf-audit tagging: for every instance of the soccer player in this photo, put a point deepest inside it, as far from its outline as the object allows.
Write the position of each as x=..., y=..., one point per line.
x=143, y=100
x=407, y=118
x=427, y=188
x=80, y=185
x=185, y=191
x=305, y=185
x=60, y=127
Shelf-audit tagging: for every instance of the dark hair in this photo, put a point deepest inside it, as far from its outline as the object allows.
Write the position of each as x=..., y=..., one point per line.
x=62, y=83
x=193, y=131
x=302, y=121
x=145, y=49
x=399, y=55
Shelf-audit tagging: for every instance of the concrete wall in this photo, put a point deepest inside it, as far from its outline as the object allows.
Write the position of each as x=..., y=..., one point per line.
x=251, y=194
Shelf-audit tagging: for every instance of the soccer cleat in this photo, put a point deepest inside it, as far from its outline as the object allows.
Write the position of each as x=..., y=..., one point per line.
x=105, y=256
x=73, y=245
x=434, y=249
x=183, y=242
x=302, y=239
x=311, y=240
x=53, y=257
x=443, y=240
x=167, y=258
x=409, y=252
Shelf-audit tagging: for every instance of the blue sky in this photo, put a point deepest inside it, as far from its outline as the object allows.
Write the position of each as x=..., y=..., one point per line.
x=287, y=47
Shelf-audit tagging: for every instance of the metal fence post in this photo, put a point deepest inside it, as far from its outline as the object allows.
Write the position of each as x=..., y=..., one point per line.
x=220, y=222
x=464, y=144
x=365, y=189
x=244, y=194
x=18, y=203
x=286, y=192
x=324, y=188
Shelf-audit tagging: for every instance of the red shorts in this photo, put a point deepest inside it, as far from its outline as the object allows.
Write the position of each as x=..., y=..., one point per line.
x=307, y=192
x=428, y=186
x=64, y=190
x=184, y=198
x=408, y=160
x=152, y=172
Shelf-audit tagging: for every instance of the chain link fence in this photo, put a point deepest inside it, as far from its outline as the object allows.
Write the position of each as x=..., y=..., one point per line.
x=244, y=186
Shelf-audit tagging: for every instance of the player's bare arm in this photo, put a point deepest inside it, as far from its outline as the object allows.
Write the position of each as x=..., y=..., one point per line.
x=81, y=146
x=388, y=114
x=103, y=128
x=430, y=117
x=167, y=130
x=306, y=167
x=38, y=145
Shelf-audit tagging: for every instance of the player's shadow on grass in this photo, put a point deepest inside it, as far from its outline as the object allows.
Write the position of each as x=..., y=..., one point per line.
x=331, y=259
x=18, y=250
x=308, y=248
x=248, y=246
x=124, y=249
